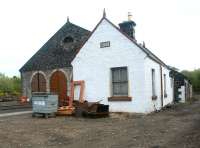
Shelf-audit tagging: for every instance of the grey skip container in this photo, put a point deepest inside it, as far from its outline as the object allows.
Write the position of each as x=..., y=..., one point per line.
x=44, y=103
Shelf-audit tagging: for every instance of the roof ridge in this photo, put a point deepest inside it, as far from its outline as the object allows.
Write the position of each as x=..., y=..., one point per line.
x=76, y=26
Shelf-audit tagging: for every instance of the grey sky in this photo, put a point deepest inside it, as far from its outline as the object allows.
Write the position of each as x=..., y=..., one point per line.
x=170, y=28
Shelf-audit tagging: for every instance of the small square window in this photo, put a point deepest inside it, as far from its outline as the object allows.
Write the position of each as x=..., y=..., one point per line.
x=104, y=44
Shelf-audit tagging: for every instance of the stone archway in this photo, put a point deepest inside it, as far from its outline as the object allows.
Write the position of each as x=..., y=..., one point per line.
x=38, y=83
x=58, y=85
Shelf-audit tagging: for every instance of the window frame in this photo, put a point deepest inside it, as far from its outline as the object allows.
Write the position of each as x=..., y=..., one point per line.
x=120, y=81
x=68, y=40
x=104, y=44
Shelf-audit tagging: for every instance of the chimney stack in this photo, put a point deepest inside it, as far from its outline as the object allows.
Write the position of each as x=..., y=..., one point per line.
x=128, y=26
x=129, y=16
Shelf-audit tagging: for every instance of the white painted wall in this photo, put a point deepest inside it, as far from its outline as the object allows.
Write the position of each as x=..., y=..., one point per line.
x=169, y=88
x=149, y=65
x=77, y=90
x=185, y=91
x=93, y=65
x=156, y=104
x=182, y=94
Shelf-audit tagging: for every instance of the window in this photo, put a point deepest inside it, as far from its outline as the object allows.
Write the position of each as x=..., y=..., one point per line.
x=153, y=82
x=119, y=81
x=165, y=91
x=105, y=44
x=68, y=39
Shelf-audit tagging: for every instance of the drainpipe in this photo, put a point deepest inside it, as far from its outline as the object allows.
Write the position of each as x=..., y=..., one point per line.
x=161, y=84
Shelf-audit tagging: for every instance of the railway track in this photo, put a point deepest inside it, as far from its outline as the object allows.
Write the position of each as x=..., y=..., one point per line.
x=4, y=108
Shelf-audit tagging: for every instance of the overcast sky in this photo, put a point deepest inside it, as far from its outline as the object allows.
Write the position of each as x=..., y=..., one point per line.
x=170, y=28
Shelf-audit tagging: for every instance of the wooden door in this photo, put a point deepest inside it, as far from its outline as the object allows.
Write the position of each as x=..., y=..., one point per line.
x=58, y=85
x=38, y=83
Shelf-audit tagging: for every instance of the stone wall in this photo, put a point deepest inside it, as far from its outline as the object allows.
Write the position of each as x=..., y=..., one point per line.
x=27, y=78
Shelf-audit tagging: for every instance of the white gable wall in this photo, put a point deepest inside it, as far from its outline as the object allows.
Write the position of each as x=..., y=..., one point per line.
x=93, y=64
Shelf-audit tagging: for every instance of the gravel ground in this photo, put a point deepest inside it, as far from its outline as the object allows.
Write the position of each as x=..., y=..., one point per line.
x=174, y=127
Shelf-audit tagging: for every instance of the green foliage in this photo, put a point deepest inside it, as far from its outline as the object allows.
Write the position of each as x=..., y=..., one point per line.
x=194, y=77
x=9, y=86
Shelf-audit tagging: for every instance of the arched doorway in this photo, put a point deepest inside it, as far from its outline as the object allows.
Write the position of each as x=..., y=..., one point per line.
x=38, y=83
x=58, y=85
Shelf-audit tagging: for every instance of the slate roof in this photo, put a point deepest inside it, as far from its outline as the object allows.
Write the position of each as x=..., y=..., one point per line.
x=57, y=52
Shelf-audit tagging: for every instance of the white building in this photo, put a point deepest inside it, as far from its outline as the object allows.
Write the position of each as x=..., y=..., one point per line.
x=126, y=75
x=182, y=87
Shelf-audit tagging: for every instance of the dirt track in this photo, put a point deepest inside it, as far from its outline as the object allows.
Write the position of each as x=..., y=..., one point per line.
x=178, y=126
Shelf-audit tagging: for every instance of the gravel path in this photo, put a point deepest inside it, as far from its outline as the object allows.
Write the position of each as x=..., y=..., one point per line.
x=175, y=127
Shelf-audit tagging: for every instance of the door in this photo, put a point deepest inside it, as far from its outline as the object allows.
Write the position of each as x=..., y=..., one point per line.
x=38, y=83
x=58, y=85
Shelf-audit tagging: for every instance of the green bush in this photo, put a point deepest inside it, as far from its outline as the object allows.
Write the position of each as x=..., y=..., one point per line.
x=9, y=86
x=2, y=93
x=194, y=77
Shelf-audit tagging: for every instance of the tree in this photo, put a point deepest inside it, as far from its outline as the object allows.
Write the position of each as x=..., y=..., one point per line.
x=194, y=77
x=9, y=85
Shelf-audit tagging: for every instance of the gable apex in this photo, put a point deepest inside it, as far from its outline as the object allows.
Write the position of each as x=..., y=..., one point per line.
x=59, y=50
x=144, y=49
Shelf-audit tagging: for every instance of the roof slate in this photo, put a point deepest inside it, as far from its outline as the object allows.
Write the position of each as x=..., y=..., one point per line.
x=55, y=53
